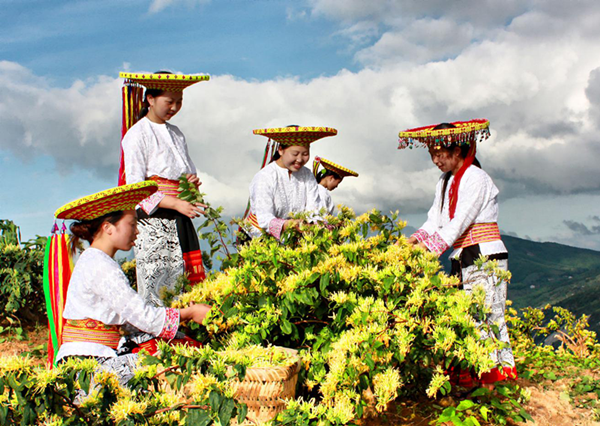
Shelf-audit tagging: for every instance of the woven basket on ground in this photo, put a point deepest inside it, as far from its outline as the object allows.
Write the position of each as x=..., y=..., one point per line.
x=265, y=389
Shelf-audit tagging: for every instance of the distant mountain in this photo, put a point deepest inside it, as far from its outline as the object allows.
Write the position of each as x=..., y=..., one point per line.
x=553, y=273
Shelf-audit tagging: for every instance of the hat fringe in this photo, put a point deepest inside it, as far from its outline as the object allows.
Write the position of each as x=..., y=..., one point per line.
x=133, y=97
x=465, y=133
x=58, y=267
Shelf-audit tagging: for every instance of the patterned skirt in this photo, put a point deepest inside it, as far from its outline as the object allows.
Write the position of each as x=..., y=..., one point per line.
x=495, y=300
x=167, y=246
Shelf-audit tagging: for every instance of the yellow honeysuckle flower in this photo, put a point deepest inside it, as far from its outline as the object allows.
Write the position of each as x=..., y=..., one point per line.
x=123, y=408
x=385, y=387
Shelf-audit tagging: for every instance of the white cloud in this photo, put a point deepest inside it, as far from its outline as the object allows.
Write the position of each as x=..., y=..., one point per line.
x=539, y=88
x=159, y=5
x=419, y=42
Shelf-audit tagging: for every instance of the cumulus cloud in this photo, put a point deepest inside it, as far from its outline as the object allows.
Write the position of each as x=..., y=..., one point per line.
x=77, y=126
x=540, y=91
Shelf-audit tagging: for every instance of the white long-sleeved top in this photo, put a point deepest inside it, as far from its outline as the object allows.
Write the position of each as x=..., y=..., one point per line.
x=275, y=193
x=477, y=203
x=99, y=290
x=155, y=149
x=326, y=200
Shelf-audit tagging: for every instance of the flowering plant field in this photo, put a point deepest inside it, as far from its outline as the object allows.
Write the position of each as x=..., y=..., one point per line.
x=374, y=319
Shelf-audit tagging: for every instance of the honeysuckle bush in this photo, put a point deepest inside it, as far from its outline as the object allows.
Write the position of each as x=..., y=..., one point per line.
x=21, y=271
x=179, y=386
x=373, y=316
x=375, y=320
x=551, y=344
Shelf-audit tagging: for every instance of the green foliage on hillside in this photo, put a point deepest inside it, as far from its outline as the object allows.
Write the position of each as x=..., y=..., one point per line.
x=551, y=273
x=21, y=276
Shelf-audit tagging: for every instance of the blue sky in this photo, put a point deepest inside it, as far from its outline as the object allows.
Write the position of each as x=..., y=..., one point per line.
x=369, y=69
x=251, y=39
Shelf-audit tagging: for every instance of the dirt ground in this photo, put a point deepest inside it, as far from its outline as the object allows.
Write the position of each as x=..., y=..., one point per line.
x=546, y=405
x=548, y=408
x=33, y=344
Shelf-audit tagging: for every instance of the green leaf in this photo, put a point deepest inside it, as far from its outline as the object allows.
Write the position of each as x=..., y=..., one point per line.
x=480, y=392
x=226, y=411
x=286, y=327
x=242, y=412
x=197, y=417
x=369, y=362
x=525, y=415
x=363, y=382
x=465, y=405
x=564, y=396
x=215, y=401
x=324, y=282
x=484, y=412
x=472, y=421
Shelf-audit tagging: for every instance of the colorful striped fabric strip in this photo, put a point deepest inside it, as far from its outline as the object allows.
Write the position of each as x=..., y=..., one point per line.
x=89, y=330
x=167, y=186
x=478, y=233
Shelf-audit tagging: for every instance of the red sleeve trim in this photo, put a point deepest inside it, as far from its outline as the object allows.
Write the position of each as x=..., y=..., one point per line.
x=436, y=244
x=171, y=325
x=276, y=227
x=421, y=235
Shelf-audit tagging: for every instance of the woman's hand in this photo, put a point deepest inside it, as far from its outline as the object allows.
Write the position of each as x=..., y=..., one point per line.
x=195, y=313
x=194, y=179
x=412, y=241
x=292, y=223
x=190, y=210
x=184, y=207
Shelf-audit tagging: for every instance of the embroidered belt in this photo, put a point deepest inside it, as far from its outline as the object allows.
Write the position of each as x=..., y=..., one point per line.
x=89, y=330
x=478, y=233
x=167, y=186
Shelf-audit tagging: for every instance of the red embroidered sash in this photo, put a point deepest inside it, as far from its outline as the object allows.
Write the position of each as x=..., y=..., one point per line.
x=89, y=330
x=478, y=233
x=167, y=186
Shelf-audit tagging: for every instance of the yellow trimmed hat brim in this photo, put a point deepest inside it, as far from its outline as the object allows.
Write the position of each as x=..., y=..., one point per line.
x=336, y=168
x=303, y=136
x=166, y=82
x=125, y=197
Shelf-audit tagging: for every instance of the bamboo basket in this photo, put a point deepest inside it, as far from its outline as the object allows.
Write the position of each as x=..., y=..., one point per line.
x=265, y=389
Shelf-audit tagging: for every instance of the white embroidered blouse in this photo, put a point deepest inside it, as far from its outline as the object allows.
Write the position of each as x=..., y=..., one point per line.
x=326, y=200
x=477, y=203
x=155, y=149
x=274, y=193
x=99, y=290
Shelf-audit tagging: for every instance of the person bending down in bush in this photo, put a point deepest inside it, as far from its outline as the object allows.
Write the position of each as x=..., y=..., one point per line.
x=100, y=302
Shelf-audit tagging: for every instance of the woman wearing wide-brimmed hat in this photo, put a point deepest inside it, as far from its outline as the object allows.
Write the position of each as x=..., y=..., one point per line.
x=154, y=149
x=465, y=215
x=284, y=186
x=100, y=303
x=329, y=177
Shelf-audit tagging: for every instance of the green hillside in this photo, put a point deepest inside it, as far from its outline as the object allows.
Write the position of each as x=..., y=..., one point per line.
x=556, y=274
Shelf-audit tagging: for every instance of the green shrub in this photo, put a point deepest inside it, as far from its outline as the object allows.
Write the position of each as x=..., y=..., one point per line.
x=21, y=278
x=375, y=318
